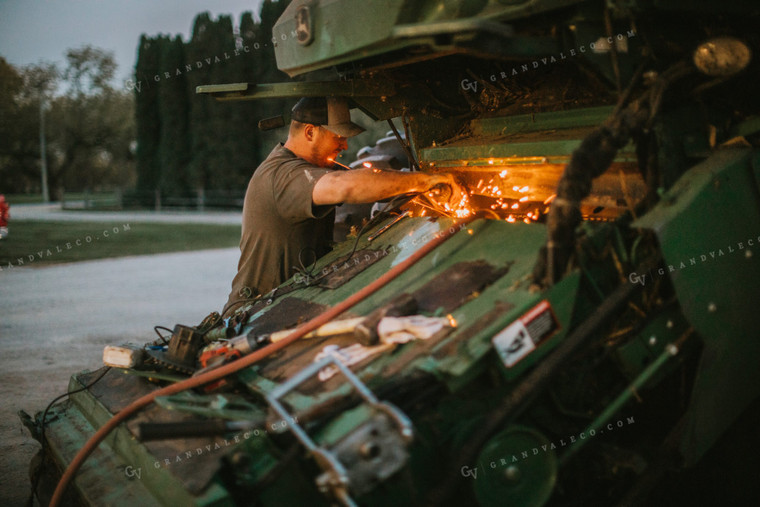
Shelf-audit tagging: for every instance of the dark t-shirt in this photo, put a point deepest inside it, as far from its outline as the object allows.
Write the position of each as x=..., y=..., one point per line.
x=279, y=223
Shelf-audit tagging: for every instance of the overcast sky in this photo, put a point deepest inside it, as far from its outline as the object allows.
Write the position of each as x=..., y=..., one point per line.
x=42, y=30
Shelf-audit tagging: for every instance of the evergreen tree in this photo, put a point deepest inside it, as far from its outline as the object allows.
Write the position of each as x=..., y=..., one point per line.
x=267, y=72
x=147, y=118
x=174, y=146
x=246, y=114
x=188, y=141
x=196, y=54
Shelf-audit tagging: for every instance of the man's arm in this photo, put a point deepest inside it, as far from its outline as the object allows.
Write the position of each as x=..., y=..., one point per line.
x=370, y=185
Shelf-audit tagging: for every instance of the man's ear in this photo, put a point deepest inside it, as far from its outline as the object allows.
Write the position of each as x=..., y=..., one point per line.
x=309, y=132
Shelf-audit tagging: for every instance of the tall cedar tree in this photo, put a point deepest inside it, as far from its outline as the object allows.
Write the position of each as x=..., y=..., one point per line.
x=147, y=117
x=188, y=141
x=246, y=113
x=174, y=147
x=269, y=73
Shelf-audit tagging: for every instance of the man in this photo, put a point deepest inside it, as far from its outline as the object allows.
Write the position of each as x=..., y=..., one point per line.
x=288, y=212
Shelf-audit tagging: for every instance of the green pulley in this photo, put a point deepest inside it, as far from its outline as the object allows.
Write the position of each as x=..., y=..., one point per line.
x=518, y=468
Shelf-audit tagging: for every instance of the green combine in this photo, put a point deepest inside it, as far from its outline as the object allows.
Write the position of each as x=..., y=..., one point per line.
x=585, y=328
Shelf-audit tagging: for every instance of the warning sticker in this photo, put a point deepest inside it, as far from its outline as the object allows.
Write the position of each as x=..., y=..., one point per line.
x=521, y=337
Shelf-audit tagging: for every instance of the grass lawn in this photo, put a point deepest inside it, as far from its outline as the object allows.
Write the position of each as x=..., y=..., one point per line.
x=37, y=198
x=44, y=243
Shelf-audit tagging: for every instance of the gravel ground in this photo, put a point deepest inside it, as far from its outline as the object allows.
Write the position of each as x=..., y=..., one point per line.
x=55, y=321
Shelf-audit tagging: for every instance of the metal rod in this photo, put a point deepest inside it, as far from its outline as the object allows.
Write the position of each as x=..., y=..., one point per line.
x=389, y=225
x=412, y=163
x=671, y=350
x=621, y=400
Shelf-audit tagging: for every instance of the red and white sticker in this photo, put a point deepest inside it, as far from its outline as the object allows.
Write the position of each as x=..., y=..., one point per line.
x=521, y=337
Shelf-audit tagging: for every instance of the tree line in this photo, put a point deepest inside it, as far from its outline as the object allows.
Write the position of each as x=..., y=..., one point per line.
x=88, y=125
x=155, y=133
x=185, y=141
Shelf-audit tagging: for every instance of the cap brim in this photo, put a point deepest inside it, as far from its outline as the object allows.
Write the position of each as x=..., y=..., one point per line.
x=349, y=129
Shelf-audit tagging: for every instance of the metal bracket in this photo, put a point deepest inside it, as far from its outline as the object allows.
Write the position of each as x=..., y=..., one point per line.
x=335, y=478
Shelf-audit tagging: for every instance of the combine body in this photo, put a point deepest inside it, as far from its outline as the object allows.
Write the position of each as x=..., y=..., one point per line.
x=599, y=291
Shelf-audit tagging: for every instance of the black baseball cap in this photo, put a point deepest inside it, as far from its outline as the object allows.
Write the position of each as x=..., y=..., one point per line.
x=332, y=113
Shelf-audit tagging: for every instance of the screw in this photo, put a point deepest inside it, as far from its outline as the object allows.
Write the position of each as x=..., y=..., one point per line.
x=669, y=324
x=652, y=340
x=711, y=308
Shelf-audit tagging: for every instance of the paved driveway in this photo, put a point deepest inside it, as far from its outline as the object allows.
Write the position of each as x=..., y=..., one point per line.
x=55, y=321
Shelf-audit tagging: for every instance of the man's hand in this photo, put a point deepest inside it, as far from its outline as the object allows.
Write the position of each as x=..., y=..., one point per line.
x=448, y=190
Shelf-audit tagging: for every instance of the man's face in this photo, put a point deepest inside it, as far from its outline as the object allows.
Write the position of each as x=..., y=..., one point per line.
x=325, y=147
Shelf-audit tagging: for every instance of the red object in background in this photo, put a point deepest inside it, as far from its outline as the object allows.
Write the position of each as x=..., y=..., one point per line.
x=4, y=211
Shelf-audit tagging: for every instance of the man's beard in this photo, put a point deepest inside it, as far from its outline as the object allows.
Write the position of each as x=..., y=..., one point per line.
x=318, y=160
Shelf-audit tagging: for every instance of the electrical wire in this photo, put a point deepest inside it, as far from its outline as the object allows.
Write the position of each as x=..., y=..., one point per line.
x=392, y=205
x=156, y=328
x=38, y=472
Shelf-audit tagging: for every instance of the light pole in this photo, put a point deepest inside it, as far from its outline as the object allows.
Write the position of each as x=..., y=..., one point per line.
x=43, y=151
x=43, y=77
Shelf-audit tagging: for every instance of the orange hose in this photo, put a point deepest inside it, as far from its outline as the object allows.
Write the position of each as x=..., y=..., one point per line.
x=248, y=360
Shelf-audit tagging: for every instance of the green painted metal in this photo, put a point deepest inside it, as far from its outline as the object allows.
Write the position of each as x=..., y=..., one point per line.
x=103, y=473
x=440, y=26
x=522, y=123
x=66, y=434
x=250, y=91
x=517, y=140
x=638, y=353
x=699, y=266
x=511, y=473
x=614, y=408
x=228, y=406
